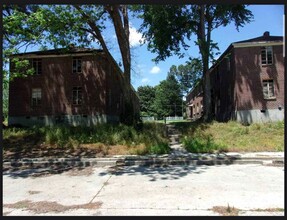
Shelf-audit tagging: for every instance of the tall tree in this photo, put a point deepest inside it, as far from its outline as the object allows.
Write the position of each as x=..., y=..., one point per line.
x=147, y=97
x=187, y=75
x=167, y=27
x=168, y=100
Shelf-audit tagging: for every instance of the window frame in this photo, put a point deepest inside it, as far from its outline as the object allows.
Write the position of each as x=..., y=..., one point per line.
x=264, y=51
x=37, y=66
x=269, y=96
x=37, y=92
x=77, y=63
x=78, y=98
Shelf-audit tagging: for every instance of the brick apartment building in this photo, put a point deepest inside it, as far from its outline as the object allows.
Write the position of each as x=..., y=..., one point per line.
x=77, y=86
x=247, y=83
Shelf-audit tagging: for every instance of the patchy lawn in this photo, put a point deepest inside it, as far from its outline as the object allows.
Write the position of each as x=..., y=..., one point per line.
x=232, y=136
x=98, y=141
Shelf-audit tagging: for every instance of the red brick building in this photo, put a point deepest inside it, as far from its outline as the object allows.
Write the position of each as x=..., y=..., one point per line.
x=76, y=86
x=247, y=81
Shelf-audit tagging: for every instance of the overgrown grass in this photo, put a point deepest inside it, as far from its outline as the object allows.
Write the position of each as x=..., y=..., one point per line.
x=232, y=136
x=146, y=139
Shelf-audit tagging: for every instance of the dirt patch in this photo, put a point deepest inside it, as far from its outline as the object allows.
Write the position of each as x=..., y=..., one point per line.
x=44, y=207
x=226, y=210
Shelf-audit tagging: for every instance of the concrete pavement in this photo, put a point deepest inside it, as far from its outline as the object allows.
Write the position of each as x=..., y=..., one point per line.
x=253, y=189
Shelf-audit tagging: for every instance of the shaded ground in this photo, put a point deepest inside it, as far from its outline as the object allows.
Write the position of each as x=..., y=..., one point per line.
x=32, y=147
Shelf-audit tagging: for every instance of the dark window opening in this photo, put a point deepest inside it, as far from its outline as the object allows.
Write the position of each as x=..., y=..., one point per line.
x=36, y=97
x=37, y=66
x=77, y=65
x=77, y=95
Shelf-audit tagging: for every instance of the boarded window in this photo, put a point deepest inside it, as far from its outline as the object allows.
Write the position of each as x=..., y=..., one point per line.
x=266, y=55
x=36, y=97
x=77, y=95
x=37, y=65
x=77, y=65
x=268, y=89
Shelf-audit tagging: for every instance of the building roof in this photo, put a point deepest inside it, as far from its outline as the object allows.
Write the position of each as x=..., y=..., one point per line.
x=264, y=38
x=60, y=51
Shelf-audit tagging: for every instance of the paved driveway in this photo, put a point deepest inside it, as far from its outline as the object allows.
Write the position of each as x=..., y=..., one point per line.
x=135, y=190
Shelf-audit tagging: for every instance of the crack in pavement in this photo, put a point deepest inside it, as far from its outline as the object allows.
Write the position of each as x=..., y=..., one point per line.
x=104, y=184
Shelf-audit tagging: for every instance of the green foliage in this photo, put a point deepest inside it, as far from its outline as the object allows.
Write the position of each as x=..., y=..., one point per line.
x=150, y=135
x=168, y=100
x=161, y=148
x=232, y=136
x=147, y=97
x=202, y=144
x=187, y=75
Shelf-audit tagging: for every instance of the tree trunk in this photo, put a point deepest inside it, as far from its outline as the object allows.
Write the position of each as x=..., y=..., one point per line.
x=122, y=32
x=204, y=44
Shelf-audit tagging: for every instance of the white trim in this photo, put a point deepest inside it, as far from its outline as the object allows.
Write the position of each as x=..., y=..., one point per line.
x=256, y=44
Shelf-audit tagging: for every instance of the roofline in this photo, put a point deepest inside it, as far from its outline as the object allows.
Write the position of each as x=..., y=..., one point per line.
x=56, y=52
x=242, y=45
x=257, y=44
x=51, y=55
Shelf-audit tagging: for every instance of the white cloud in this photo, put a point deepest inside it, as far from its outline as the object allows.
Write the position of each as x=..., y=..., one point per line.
x=136, y=38
x=155, y=70
x=145, y=80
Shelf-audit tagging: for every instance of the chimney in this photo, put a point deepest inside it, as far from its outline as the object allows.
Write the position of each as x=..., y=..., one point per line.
x=266, y=34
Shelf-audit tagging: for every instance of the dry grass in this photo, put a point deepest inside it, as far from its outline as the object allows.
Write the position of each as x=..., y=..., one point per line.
x=236, y=137
x=226, y=210
x=44, y=207
x=269, y=210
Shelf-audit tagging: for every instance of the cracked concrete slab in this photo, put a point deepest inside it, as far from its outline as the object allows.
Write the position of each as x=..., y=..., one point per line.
x=138, y=190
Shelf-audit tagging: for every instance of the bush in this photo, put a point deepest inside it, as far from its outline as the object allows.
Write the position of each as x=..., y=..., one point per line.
x=201, y=145
x=161, y=148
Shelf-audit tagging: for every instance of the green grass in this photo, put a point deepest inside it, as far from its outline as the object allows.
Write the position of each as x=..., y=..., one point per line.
x=150, y=136
x=232, y=136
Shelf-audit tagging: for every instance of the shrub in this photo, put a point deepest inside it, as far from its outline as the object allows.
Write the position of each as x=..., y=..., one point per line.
x=201, y=145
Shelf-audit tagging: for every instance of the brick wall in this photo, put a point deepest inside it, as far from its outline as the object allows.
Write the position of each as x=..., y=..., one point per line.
x=250, y=74
x=57, y=82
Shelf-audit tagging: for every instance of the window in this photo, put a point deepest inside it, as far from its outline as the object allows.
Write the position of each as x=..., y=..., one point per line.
x=77, y=95
x=266, y=56
x=36, y=97
x=268, y=89
x=77, y=65
x=37, y=65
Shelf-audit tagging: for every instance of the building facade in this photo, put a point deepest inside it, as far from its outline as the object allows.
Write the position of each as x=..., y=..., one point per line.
x=247, y=81
x=76, y=86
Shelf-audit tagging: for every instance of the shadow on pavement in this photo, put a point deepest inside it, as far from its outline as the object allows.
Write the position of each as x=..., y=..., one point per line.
x=169, y=172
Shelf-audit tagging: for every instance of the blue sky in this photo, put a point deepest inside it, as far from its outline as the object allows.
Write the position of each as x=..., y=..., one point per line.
x=145, y=72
